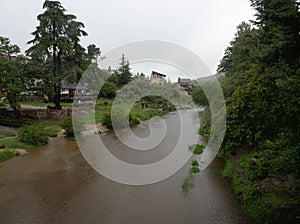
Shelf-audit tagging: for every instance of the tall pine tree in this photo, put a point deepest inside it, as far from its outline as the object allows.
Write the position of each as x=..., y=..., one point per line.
x=123, y=72
x=56, y=50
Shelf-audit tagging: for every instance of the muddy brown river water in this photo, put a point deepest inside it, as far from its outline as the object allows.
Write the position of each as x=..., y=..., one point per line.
x=55, y=184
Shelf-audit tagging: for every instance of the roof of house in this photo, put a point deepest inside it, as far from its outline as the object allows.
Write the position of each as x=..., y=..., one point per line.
x=73, y=85
x=157, y=73
x=185, y=80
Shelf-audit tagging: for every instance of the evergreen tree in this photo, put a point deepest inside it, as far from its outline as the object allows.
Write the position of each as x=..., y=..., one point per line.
x=56, y=50
x=239, y=57
x=279, y=23
x=93, y=53
x=262, y=78
x=123, y=72
x=7, y=49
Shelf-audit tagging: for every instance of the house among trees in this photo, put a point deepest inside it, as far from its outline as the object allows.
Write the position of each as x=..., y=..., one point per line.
x=68, y=90
x=19, y=57
x=186, y=85
x=157, y=78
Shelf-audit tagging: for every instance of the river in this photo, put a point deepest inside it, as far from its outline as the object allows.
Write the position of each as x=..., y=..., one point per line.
x=55, y=184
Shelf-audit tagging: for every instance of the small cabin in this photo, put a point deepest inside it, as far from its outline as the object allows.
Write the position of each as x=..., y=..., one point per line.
x=186, y=84
x=157, y=78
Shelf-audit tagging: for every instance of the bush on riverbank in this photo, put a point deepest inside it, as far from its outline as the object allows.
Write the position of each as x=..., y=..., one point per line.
x=264, y=182
x=120, y=120
x=33, y=134
x=67, y=125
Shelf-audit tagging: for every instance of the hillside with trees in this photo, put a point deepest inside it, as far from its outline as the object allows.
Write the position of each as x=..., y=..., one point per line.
x=261, y=86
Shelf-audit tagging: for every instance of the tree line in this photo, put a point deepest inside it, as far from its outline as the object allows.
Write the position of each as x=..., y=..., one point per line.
x=261, y=86
x=55, y=54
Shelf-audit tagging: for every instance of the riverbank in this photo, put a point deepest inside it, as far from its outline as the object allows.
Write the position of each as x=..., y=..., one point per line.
x=265, y=178
x=59, y=186
x=60, y=125
x=12, y=146
x=267, y=198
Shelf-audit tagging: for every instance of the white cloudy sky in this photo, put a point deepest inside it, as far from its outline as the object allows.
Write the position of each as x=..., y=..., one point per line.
x=204, y=27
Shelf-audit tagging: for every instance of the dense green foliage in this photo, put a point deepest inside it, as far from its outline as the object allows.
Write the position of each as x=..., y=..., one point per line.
x=108, y=90
x=56, y=52
x=68, y=125
x=33, y=135
x=13, y=73
x=119, y=119
x=93, y=53
x=263, y=94
x=199, y=96
x=261, y=85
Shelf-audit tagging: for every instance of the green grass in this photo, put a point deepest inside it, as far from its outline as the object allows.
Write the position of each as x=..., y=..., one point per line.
x=14, y=143
x=7, y=133
x=7, y=154
x=52, y=131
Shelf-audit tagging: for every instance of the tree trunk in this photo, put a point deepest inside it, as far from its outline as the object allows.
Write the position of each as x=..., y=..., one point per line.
x=57, y=97
x=55, y=72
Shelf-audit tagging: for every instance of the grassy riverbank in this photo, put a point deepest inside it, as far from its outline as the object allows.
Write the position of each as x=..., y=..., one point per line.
x=11, y=141
x=267, y=186
x=265, y=179
x=138, y=113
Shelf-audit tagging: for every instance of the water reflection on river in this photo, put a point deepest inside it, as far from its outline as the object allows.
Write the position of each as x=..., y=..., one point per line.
x=54, y=184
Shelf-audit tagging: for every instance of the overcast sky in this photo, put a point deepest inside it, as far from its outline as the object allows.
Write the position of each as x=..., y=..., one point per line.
x=204, y=27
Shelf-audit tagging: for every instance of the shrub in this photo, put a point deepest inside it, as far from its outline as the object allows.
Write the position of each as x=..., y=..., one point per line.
x=195, y=169
x=33, y=135
x=197, y=149
x=67, y=125
x=229, y=169
x=120, y=120
x=106, y=120
x=195, y=163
